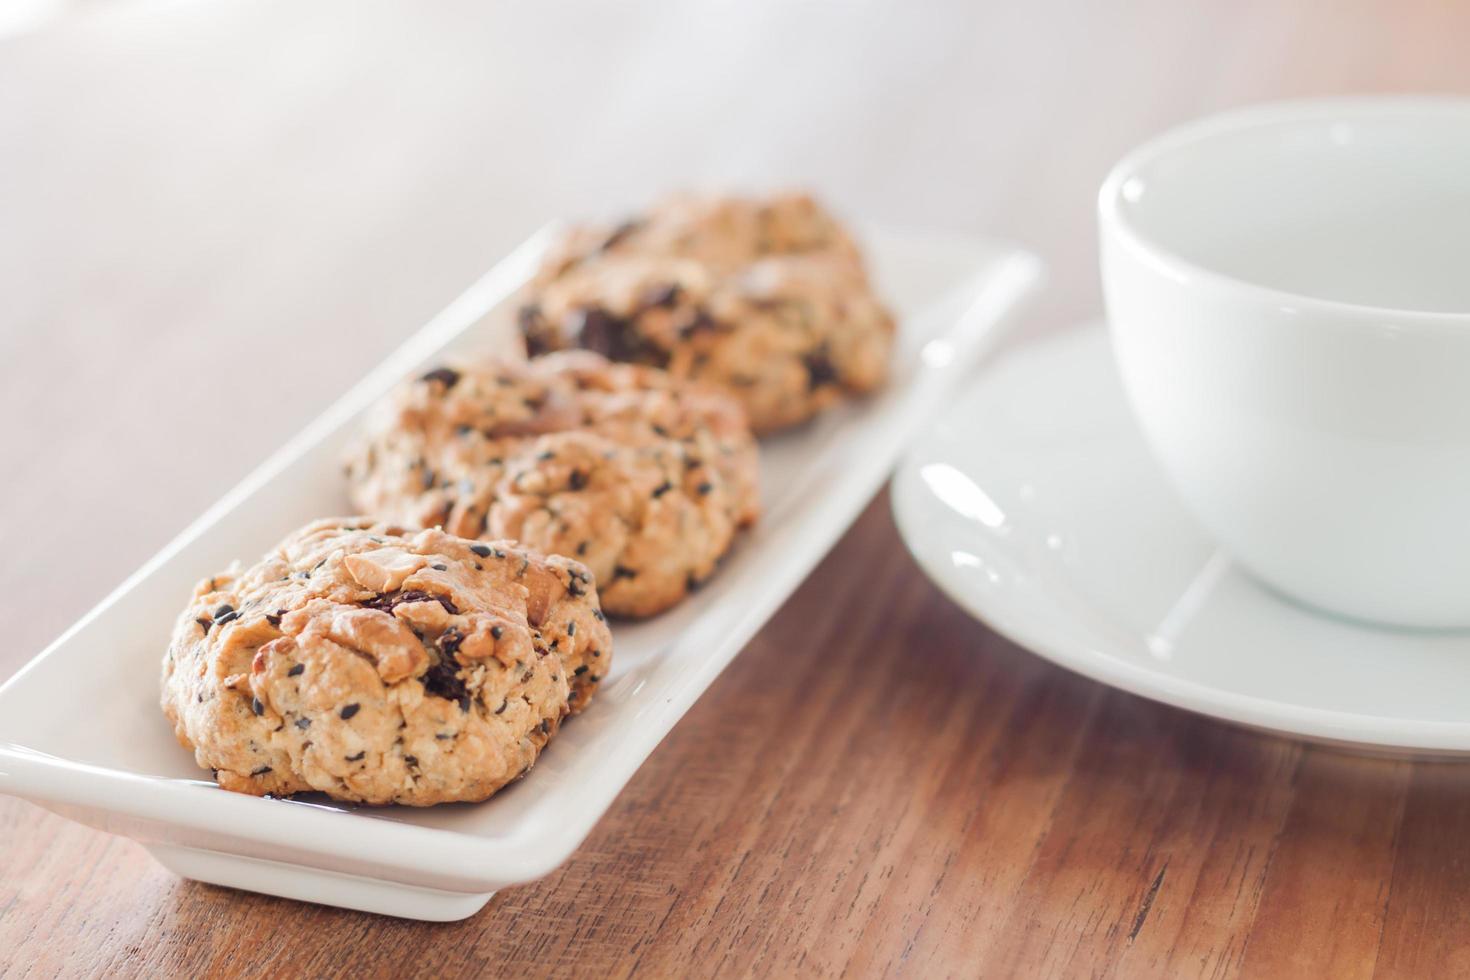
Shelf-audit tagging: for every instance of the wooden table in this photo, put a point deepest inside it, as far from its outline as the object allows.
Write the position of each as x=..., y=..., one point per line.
x=214, y=216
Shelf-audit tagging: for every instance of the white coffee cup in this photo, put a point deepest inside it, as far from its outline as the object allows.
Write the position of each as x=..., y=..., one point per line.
x=1288, y=288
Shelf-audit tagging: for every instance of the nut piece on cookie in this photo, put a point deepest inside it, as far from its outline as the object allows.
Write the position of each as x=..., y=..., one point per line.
x=643, y=478
x=766, y=298
x=379, y=665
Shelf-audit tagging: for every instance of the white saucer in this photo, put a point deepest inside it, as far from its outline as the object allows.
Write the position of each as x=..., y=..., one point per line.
x=1035, y=505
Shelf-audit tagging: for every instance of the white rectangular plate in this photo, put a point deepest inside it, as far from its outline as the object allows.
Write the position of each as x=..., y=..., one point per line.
x=123, y=772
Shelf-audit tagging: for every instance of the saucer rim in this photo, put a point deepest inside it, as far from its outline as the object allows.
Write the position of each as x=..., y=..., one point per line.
x=1342, y=729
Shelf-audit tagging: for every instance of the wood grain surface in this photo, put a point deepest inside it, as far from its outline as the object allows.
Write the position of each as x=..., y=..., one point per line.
x=214, y=216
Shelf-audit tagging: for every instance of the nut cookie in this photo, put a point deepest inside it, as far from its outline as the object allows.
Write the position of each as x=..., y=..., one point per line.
x=723, y=233
x=379, y=665
x=768, y=300
x=643, y=478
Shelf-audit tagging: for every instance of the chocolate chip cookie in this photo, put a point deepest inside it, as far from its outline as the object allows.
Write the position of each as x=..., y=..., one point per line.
x=644, y=478
x=723, y=233
x=767, y=299
x=379, y=665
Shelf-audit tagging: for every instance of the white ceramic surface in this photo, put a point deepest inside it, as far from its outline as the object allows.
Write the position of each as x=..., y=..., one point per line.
x=1289, y=293
x=80, y=728
x=1036, y=505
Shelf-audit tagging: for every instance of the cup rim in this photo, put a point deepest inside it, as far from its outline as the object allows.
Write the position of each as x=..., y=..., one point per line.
x=1113, y=217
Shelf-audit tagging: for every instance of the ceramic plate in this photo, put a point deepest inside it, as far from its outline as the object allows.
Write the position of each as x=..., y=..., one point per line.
x=123, y=772
x=1035, y=505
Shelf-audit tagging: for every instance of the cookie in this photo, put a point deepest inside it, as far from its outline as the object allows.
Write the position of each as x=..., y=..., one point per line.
x=379, y=665
x=644, y=478
x=723, y=233
x=765, y=299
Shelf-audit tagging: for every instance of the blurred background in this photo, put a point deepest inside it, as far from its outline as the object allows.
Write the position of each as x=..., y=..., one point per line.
x=217, y=214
